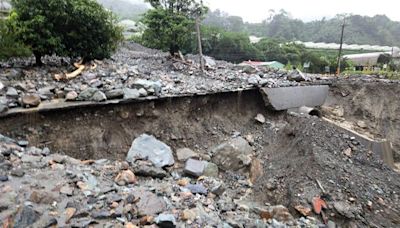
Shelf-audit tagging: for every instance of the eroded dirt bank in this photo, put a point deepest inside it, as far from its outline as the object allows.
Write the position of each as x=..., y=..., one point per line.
x=292, y=163
x=107, y=132
x=372, y=108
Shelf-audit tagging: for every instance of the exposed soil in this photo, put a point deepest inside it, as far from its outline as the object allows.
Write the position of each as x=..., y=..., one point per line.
x=291, y=155
x=107, y=131
x=375, y=104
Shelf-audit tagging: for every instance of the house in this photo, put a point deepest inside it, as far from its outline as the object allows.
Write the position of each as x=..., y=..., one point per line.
x=370, y=59
x=272, y=64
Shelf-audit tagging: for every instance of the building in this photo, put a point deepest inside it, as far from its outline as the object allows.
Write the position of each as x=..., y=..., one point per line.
x=370, y=59
x=272, y=64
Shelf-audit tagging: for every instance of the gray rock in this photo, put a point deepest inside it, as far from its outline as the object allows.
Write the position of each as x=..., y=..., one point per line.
x=87, y=94
x=71, y=96
x=17, y=172
x=232, y=155
x=150, y=171
x=150, y=86
x=14, y=74
x=194, y=167
x=47, y=91
x=211, y=170
x=260, y=118
x=148, y=147
x=165, y=221
x=253, y=80
x=23, y=143
x=3, y=178
x=26, y=158
x=346, y=209
x=149, y=203
x=99, y=96
x=115, y=94
x=185, y=153
x=296, y=76
x=143, y=92
x=197, y=189
x=26, y=217
x=1, y=86
x=3, y=108
x=218, y=190
x=12, y=92
x=31, y=100
x=131, y=93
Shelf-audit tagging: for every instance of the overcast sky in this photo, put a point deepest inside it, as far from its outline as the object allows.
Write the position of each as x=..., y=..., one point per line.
x=257, y=10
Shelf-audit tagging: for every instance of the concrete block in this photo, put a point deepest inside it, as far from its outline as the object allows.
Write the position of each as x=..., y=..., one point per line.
x=294, y=97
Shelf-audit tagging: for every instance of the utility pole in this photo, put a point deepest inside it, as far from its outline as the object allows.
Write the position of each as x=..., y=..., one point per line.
x=199, y=44
x=340, y=48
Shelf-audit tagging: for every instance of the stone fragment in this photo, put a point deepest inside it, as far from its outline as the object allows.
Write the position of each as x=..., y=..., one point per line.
x=232, y=155
x=260, y=118
x=12, y=92
x=150, y=171
x=197, y=189
x=148, y=147
x=166, y=221
x=131, y=93
x=126, y=177
x=194, y=167
x=87, y=94
x=115, y=94
x=71, y=96
x=211, y=170
x=26, y=217
x=149, y=203
x=99, y=96
x=184, y=154
x=31, y=100
x=256, y=170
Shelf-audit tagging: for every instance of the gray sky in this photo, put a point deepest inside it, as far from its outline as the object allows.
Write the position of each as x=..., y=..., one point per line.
x=257, y=10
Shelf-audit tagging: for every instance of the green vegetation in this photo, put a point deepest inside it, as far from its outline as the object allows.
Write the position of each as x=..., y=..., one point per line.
x=67, y=28
x=170, y=23
x=9, y=46
x=377, y=30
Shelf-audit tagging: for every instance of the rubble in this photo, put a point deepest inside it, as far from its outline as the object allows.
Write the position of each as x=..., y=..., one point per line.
x=288, y=171
x=149, y=148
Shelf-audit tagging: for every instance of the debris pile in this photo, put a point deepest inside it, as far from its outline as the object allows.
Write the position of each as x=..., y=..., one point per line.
x=133, y=72
x=300, y=179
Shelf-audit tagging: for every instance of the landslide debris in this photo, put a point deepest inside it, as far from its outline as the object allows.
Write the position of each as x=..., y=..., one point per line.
x=300, y=177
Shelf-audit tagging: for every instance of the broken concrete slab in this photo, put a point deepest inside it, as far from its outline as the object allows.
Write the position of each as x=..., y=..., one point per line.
x=294, y=97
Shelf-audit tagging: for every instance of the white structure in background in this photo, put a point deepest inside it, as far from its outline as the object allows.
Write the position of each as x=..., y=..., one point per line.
x=254, y=39
x=355, y=47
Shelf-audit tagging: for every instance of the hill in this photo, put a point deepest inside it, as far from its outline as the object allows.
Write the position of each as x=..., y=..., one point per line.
x=377, y=30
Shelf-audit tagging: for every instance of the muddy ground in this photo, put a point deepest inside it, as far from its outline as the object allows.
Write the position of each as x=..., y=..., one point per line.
x=371, y=108
x=294, y=161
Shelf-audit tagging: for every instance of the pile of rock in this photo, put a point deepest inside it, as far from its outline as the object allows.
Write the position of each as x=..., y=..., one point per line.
x=149, y=189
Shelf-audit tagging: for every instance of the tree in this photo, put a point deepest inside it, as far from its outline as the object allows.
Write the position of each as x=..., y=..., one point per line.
x=170, y=23
x=9, y=46
x=66, y=28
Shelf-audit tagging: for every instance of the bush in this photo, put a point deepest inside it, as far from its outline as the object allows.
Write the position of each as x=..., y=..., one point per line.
x=67, y=28
x=9, y=47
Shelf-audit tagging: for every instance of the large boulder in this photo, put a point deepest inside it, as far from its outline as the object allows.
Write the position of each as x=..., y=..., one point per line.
x=232, y=155
x=149, y=148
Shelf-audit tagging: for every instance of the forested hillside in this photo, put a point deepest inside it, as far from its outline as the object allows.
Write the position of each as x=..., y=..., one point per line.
x=377, y=30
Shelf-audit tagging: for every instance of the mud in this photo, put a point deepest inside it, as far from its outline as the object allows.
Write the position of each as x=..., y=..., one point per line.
x=107, y=131
x=376, y=105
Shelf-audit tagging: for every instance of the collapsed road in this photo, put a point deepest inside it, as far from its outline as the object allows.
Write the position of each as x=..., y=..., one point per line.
x=218, y=150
